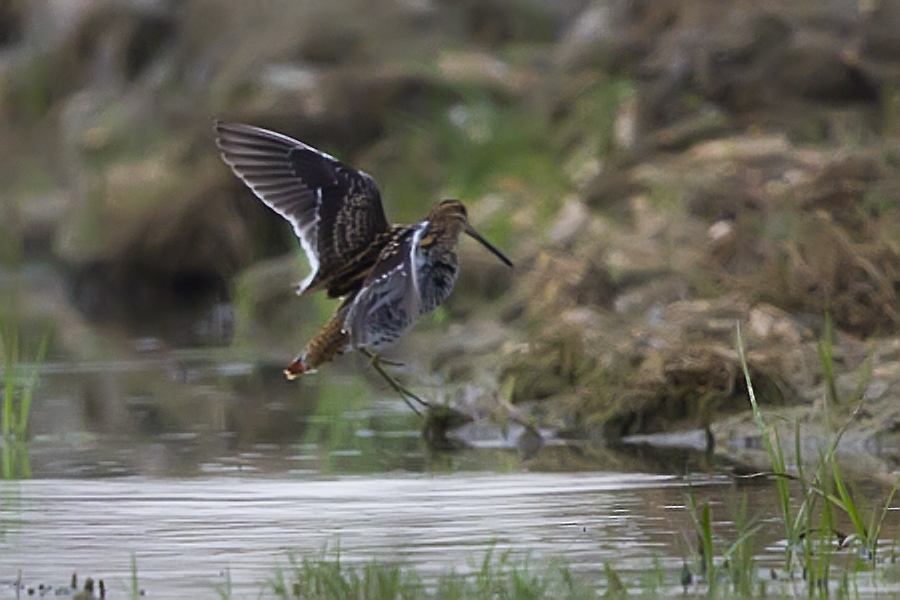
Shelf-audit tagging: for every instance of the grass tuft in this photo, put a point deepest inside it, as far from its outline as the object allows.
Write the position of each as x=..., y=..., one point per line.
x=327, y=577
x=18, y=383
x=775, y=452
x=827, y=487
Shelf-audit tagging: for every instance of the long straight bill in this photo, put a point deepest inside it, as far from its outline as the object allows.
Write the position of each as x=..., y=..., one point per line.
x=471, y=231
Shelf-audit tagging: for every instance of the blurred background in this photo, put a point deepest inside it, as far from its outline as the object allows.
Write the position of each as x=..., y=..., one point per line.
x=657, y=170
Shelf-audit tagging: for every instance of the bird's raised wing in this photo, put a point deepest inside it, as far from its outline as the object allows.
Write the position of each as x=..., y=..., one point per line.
x=390, y=299
x=335, y=210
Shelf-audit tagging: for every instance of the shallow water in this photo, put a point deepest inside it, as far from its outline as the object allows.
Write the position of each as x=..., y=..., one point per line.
x=187, y=533
x=202, y=463
x=184, y=533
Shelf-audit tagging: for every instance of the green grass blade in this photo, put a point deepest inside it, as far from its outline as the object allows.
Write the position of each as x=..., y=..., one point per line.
x=776, y=458
x=875, y=530
x=824, y=551
x=223, y=589
x=7, y=461
x=9, y=348
x=864, y=377
x=826, y=357
x=706, y=532
x=784, y=491
x=774, y=450
x=847, y=503
x=743, y=537
x=615, y=587
x=28, y=392
x=135, y=587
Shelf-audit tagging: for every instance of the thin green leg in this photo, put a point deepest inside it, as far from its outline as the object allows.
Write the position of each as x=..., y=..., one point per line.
x=404, y=393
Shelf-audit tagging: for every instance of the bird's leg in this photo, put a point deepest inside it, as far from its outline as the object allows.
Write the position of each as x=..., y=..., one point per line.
x=377, y=362
x=390, y=363
x=404, y=393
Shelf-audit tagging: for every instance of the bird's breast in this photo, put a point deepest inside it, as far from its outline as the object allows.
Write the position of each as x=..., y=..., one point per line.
x=436, y=278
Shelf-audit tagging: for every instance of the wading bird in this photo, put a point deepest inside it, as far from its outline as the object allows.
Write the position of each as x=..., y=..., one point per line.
x=387, y=275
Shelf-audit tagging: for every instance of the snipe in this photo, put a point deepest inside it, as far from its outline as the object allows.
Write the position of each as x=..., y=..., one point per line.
x=387, y=275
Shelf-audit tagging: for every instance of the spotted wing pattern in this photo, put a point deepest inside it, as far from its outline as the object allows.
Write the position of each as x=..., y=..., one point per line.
x=335, y=210
x=390, y=299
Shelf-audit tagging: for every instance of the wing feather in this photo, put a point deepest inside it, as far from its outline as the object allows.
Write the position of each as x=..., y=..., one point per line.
x=321, y=197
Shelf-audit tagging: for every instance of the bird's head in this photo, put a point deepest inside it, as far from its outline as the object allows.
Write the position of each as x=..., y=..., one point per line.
x=452, y=216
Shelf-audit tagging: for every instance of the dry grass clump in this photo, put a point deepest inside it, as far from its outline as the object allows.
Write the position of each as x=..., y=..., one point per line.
x=824, y=244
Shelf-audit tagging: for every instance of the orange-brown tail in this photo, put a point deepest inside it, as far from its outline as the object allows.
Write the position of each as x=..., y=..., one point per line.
x=327, y=344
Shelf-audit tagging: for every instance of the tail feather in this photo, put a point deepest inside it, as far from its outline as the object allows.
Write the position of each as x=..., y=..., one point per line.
x=328, y=343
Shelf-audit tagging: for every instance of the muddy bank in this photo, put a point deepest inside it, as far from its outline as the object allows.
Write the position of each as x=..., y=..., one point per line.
x=627, y=327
